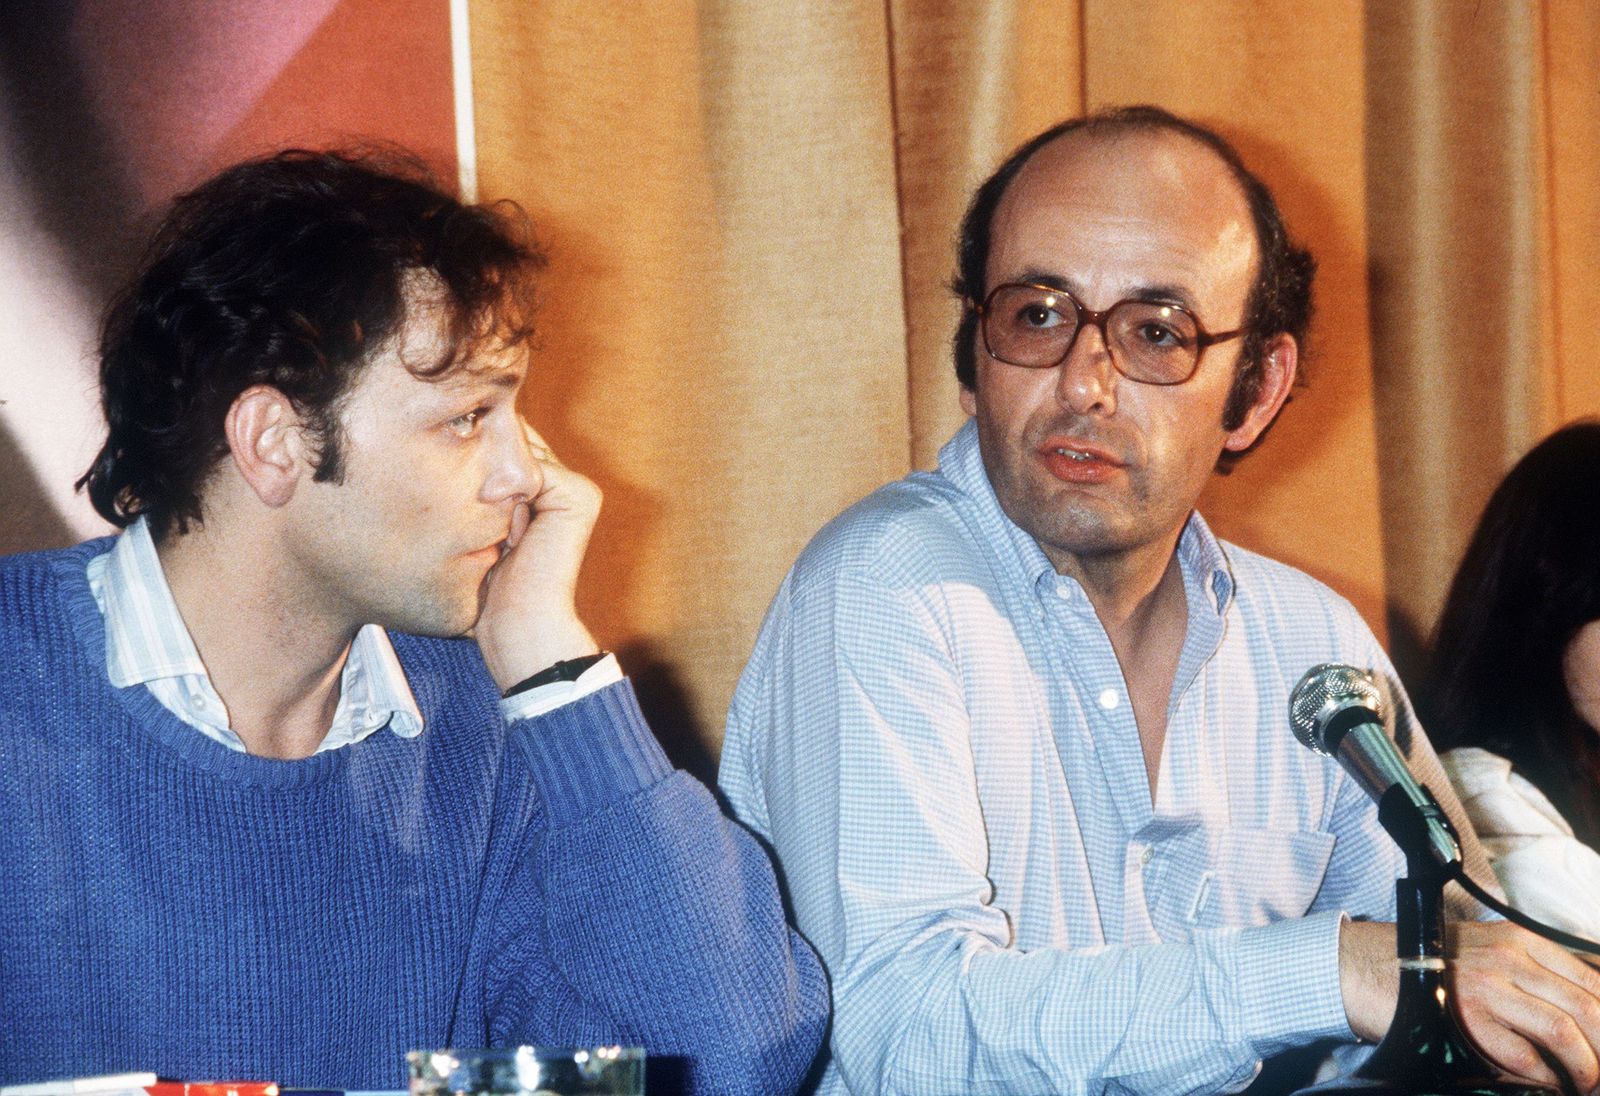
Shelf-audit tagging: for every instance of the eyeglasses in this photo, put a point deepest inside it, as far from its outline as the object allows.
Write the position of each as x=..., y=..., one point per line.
x=1152, y=342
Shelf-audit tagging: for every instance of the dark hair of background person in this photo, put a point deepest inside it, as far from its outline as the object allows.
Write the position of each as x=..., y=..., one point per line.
x=289, y=271
x=1280, y=295
x=1529, y=581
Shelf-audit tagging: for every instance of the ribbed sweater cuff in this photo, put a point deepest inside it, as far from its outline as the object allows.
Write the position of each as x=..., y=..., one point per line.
x=591, y=752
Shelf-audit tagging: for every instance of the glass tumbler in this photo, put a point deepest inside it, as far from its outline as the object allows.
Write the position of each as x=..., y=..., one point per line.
x=528, y=1071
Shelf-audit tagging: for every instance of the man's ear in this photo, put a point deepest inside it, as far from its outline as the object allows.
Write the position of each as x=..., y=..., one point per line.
x=267, y=441
x=1280, y=361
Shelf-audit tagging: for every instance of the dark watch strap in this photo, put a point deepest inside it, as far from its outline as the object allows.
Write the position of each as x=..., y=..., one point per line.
x=569, y=670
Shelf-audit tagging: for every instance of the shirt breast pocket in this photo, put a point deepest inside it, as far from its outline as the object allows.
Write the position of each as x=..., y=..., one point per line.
x=1233, y=877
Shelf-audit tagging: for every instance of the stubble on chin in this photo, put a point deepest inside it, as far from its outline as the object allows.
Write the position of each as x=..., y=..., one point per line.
x=439, y=611
x=1060, y=520
x=1064, y=521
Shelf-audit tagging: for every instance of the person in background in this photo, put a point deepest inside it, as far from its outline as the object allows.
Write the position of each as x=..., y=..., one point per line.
x=315, y=763
x=1514, y=695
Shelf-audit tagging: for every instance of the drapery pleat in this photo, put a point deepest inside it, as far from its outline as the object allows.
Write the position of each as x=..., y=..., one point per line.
x=723, y=343
x=972, y=80
x=1570, y=51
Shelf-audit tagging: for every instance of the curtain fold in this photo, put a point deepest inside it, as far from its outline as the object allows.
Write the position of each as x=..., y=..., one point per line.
x=1461, y=280
x=723, y=346
x=972, y=80
x=1570, y=49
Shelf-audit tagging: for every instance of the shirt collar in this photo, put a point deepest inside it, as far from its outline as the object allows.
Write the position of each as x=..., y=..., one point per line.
x=961, y=462
x=146, y=640
x=145, y=635
x=1200, y=554
x=1203, y=556
x=373, y=691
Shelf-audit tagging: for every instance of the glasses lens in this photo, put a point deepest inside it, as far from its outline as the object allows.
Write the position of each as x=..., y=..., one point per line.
x=1155, y=343
x=1029, y=326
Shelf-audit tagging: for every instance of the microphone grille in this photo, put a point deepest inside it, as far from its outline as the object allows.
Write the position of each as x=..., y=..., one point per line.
x=1323, y=691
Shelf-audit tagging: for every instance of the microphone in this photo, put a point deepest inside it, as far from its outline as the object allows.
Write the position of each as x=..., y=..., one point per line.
x=1337, y=711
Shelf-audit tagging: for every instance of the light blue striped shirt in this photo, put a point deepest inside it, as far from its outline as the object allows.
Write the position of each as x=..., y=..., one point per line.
x=936, y=737
x=148, y=644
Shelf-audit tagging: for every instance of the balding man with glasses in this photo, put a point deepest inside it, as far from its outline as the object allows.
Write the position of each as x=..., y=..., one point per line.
x=1017, y=728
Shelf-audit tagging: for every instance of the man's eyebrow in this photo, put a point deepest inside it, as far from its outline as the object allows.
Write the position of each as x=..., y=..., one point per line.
x=1034, y=276
x=1160, y=293
x=477, y=386
x=476, y=380
x=1163, y=294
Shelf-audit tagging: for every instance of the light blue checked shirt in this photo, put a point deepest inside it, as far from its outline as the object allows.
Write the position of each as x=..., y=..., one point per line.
x=935, y=735
x=148, y=644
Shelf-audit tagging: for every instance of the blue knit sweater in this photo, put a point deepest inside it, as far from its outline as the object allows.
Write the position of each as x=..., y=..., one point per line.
x=170, y=905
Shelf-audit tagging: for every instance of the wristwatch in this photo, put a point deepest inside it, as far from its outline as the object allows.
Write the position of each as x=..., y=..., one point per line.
x=567, y=670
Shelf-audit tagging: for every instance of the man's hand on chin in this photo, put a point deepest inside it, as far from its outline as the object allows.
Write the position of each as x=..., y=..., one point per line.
x=1519, y=997
x=530, y=618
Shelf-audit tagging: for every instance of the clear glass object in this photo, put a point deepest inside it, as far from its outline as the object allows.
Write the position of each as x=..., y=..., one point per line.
x=528, y=1071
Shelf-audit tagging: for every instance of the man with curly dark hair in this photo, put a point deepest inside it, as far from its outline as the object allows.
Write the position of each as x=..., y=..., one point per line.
x=264, y=810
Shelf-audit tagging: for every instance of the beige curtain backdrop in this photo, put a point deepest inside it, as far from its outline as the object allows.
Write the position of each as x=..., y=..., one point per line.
x=750, y=207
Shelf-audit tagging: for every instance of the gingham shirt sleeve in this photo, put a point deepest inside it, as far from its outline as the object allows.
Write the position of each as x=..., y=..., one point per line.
x=869, y=794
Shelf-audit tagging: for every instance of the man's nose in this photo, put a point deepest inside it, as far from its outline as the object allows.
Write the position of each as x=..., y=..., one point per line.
x=514, y=471
x=1086, y=380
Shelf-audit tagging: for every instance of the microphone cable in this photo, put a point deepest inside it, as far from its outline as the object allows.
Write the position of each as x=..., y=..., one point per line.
x=1517, y=917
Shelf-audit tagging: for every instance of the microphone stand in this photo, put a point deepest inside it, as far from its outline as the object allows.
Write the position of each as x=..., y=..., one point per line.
x=1424, y=1052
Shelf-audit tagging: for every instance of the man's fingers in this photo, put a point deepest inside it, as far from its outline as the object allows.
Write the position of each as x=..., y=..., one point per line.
x=1514, y=1054
x=1523, y=1023
x=1514, y=998
x=1566, y=1019
x=1575, y=968
x=537, y=445
x=1540, y=969
x=563, y=490
x=1574, y=987
x=520, y=517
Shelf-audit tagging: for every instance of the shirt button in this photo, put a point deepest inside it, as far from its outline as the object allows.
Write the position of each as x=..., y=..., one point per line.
x=1109, y=699
x=1144, y=857
x=1064, y=592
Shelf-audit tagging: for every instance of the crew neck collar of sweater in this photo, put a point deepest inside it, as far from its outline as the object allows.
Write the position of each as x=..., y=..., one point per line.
x=148, y=715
